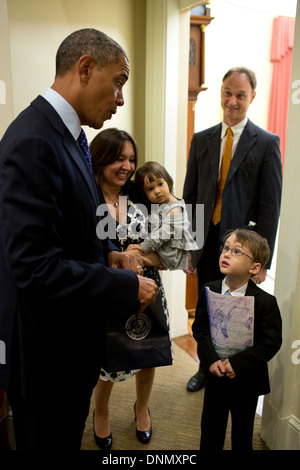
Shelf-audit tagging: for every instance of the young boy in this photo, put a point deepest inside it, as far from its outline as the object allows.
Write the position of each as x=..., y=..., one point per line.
x=234, y=383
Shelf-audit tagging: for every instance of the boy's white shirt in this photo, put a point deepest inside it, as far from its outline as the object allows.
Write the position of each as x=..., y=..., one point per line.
x=240, y=292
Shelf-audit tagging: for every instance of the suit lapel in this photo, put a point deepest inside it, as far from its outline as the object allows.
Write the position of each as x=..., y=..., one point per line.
x=216, y=286
x=74, y=151
x=70, y=145
x=247, y=140
x=213, y=147
x=252, y=288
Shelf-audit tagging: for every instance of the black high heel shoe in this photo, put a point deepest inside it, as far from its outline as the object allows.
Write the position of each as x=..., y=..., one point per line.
x=143, y=436
x=103, y=443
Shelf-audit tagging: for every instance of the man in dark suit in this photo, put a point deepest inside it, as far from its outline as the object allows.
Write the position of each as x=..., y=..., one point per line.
x=252, y=192
x=58, y=280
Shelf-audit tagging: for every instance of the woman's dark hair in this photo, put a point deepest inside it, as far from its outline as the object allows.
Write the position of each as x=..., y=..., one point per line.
x=106, y=148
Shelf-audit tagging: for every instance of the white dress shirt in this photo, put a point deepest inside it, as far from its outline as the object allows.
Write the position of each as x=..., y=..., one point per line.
x=237, y=131
x=66, y=112
x=240, y=292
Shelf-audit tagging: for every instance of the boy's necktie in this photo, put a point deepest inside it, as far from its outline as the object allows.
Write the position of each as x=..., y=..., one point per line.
x=224, y=171
x=83, y=143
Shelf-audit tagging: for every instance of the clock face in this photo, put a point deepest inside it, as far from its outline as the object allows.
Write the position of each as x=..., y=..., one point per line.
x=198, y=26
x=195, y=71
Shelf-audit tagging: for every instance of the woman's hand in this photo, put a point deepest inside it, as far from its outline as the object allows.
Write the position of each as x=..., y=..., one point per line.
x=190, y=270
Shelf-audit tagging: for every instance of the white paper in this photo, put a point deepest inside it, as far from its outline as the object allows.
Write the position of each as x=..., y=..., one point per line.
x=231, y=321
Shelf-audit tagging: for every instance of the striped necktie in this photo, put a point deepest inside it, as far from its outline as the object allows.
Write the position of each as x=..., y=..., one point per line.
x=226, y=159
x=83, y=144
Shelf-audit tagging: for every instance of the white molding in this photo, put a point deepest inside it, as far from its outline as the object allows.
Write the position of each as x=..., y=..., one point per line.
x=294, y=433
x=188, y=4
x=279, y=433
x=281, y=421
x=155, y=80
x=167, y=44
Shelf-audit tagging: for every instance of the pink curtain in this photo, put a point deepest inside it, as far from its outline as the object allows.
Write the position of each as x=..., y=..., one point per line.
x=281, y=56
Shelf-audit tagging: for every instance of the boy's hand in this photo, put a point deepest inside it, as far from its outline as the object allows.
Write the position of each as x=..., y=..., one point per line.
x=217, y=368
x=221, y=369
x=229, y=372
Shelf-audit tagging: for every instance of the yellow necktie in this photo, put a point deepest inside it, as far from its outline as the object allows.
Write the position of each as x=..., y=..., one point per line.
x=226, y=159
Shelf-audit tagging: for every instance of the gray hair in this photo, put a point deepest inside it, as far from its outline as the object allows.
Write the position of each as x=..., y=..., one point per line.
x=102, y=49
x=250, y=74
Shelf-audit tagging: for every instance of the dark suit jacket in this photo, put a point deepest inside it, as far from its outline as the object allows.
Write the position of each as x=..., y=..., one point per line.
x=250, y=365
x=252, y=192
x=55, y=286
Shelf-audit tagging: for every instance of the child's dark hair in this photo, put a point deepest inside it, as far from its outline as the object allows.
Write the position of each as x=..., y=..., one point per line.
x=152, y=170
x=257, y=244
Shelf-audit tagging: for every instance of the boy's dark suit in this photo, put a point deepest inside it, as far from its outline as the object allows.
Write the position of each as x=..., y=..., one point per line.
x=54, y=280
x=250, y=365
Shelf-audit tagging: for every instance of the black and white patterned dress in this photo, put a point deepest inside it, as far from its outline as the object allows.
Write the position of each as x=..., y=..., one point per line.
x=134, y=231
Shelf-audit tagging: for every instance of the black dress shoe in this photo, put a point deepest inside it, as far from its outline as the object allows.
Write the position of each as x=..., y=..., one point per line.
x=103, y=443
x=143, y=436
x=196, y=382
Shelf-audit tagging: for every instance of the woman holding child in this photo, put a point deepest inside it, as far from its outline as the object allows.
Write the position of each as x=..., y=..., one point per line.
x=114, y=159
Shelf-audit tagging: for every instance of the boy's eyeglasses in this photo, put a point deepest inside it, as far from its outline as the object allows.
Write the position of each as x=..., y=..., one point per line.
x=235, y=252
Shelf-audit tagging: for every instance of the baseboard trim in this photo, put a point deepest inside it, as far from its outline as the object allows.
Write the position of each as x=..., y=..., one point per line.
x=279, y=433
x=294, y=433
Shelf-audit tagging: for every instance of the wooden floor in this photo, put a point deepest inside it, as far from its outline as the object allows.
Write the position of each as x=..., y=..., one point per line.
x=187, y=342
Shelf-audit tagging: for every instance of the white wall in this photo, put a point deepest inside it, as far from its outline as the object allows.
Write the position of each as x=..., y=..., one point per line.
x=281, y=416
x=240, y=34
x=166, y=118
x=37, y=27
x=245, y=28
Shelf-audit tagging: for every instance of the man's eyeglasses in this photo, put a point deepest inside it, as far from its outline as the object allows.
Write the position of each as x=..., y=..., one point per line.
x=235, y=252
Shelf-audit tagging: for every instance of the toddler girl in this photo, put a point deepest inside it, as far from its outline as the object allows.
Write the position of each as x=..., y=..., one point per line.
x=169, y=234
